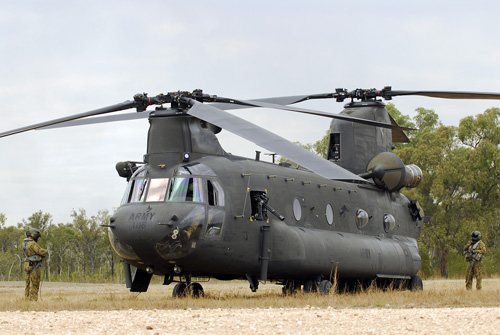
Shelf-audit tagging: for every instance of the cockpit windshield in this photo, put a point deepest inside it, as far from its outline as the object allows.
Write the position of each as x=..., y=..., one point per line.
x=142, y=189
x=186, y=189
x=182, y=187
x=157, y=189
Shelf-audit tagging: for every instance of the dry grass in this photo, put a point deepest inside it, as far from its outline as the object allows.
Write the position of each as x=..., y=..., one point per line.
x=69, y=296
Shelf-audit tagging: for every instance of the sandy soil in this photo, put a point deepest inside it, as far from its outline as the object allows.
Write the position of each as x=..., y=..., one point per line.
x=257, y=321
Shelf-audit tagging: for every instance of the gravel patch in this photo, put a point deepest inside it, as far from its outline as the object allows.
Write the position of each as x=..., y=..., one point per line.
x=257, y=321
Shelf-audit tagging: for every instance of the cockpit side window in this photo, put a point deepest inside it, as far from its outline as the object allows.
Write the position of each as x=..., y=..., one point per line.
x=139, y=186
x=186, y=189
x=215, y=193
x=136, y=188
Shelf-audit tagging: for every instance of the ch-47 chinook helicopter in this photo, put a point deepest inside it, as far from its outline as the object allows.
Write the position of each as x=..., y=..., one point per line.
x=191, y=210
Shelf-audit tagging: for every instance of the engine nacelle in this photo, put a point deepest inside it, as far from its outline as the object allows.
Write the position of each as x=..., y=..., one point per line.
x=388, y=171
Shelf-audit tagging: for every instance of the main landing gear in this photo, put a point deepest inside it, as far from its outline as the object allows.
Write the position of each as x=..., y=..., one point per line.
x=324, y=287
x=186, y=288
x=292, y=286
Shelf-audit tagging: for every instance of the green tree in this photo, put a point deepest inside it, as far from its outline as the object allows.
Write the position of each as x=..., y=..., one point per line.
x=481, y=136
x=460, y=180
x=39, y=220
x=109, y=257
x=62, y=241
x=89, y=235
x=320, y=147
x=10, y=245
x=401, y=119
x=436, y=150
x=10, y=239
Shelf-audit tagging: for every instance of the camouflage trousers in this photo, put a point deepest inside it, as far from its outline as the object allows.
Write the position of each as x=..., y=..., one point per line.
x=32, y=282
x=474, y=269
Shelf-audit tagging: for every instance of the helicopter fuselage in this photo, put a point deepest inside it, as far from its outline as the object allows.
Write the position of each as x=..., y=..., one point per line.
x=202, y=218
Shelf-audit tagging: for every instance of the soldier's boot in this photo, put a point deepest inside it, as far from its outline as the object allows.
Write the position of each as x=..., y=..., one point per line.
x=468, y=282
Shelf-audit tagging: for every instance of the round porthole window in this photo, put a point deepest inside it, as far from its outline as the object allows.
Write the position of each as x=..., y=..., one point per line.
x=329, y=214
x=389, y=222
x=362, y=218
x=297, y=209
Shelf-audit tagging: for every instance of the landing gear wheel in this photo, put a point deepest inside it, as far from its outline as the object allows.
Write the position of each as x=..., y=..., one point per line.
x=310, y=286
x=179, y=290
x=325, y=287
x=197, y=290
x=416, y=284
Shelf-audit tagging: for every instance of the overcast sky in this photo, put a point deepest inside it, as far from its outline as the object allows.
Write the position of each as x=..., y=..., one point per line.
x=65, y=57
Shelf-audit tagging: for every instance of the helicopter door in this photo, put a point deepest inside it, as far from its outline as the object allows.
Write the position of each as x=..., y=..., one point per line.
x=215, y=217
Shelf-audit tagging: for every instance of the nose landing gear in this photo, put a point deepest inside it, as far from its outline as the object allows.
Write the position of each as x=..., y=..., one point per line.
x=184, y=289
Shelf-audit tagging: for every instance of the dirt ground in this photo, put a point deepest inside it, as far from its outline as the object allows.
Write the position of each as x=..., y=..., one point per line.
x=257, y=321
x=54, y=318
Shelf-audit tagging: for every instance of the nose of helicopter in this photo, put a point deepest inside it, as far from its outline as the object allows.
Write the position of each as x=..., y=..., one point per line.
x=156, y=232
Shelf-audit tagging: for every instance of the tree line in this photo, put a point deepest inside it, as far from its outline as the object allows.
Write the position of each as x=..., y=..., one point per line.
x=78, y=251
x=459, y=193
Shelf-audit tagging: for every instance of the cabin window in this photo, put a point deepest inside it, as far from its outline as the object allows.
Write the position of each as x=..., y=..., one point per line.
x=186, y=189
x=297, y=209
x=362, y=218
x=215, y=193
x=215, y=221
x=329, y=214
x=389, y=222
x=157, y=189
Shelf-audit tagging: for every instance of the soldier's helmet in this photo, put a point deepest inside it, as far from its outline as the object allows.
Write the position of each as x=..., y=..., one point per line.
x=475, y=236
x=34, y=233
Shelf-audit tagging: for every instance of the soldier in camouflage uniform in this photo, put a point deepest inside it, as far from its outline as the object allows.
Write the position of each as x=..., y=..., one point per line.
x=474, y=253
x=33, y=254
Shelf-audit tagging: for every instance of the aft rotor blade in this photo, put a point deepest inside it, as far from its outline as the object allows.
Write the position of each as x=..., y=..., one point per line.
x=100, y=111
x=271, y=142
x=286, y=100
x=450, y=94
x=330, y=115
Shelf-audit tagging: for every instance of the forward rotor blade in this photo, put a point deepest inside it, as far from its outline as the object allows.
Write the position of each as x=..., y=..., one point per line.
x=271, y=142
x=450, y=94
x=135, y=116
x=100, y=111
x=99, y=119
